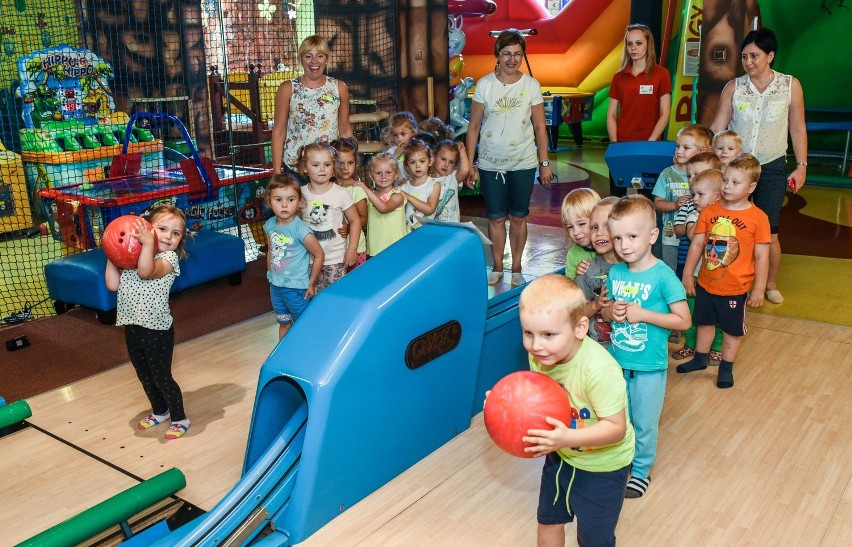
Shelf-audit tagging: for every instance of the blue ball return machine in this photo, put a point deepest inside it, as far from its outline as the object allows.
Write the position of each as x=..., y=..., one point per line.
x=384, y=367
x=638, y=164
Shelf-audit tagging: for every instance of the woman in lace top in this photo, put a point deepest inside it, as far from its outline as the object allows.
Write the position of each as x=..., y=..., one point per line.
x=762, y=106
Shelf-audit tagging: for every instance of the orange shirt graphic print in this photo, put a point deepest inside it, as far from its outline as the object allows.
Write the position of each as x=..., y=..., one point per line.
x=721, y=247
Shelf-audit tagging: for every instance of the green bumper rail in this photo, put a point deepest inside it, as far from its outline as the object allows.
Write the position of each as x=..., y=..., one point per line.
x=110, y=512
x=14, y=412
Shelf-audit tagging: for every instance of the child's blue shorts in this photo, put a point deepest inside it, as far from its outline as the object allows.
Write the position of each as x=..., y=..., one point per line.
x=287, y=303
x=594, y=497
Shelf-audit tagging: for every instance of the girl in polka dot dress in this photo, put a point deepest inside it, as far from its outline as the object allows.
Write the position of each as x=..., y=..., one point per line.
x=143, y=309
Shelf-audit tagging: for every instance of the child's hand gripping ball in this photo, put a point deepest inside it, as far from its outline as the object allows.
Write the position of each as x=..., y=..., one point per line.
x=519, y=402
x=120, y=243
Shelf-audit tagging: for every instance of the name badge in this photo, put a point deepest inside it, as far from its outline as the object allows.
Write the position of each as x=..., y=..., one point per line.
x=647, y=89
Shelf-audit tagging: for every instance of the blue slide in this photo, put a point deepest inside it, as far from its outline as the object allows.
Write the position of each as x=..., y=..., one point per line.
x=384, y=367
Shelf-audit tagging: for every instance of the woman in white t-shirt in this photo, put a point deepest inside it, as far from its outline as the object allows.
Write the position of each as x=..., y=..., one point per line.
x=507, y=121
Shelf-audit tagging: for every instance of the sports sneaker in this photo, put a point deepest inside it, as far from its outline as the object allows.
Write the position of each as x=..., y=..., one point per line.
x=636, y=487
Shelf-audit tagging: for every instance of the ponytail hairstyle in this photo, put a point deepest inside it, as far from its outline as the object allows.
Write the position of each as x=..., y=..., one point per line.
x=305, y=151
x=414, y=146
x=169, y=209
x=346, y=144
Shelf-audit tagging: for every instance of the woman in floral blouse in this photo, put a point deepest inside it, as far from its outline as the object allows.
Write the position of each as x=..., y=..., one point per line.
x=308, y=109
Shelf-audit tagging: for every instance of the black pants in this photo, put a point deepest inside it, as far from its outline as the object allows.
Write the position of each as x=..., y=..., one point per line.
x=151, y=354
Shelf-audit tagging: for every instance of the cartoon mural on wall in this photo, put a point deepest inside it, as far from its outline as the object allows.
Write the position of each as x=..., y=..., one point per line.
x=64, y=83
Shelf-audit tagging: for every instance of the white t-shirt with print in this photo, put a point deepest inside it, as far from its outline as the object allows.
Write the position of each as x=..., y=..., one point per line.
x=422, y=193
x=323, y=213
x=448, y=204
x=507, y=137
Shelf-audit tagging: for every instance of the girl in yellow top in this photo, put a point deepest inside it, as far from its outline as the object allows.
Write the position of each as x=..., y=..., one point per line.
x=386, y=211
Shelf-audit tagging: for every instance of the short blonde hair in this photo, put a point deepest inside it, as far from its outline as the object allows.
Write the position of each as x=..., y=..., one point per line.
x=729, y=134
x=706, y=157
x=748, y=164
x=314, y=42
x=710, y=176
x=635, y=204
x=581, y=201
x=701, y=133
x=554, y=292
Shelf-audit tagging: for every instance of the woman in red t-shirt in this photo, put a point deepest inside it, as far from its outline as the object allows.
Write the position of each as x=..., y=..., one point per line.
x=640, y=94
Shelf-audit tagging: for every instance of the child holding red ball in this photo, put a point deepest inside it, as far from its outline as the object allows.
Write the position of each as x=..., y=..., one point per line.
x=143, y=309
x=587, y=461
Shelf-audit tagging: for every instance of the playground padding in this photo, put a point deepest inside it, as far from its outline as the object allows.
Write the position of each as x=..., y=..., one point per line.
x=74, y=345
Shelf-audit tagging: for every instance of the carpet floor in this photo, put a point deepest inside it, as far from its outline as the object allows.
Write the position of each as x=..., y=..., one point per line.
x=74, y=345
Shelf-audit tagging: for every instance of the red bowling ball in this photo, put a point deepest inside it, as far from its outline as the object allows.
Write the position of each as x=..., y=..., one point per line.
x=120, y=243
x=519, y=402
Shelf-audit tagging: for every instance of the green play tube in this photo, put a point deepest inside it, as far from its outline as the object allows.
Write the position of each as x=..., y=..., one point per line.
x=14, y=412
x=110, y=512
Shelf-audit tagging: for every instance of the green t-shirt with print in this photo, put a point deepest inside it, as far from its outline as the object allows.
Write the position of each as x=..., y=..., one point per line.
x=596, y=387
x=574, y=256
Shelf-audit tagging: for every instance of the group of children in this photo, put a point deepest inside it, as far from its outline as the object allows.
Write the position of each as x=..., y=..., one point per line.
x=336, y=221
x=714, y=264
x=622, y=298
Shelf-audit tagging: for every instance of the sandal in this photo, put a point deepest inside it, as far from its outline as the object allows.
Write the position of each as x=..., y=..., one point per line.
x=683, y=353
x=674, y=337
x=714, y=358
x=176, y=430
x=774, y=296
x=151, y=420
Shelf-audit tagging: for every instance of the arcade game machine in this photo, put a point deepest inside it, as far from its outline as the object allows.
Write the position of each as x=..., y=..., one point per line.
x=71, y=133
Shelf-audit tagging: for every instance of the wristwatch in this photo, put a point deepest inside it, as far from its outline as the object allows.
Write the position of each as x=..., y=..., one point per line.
x=544, y=163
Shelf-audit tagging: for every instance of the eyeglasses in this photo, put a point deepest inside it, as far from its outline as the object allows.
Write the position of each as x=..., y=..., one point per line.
x=509, y=54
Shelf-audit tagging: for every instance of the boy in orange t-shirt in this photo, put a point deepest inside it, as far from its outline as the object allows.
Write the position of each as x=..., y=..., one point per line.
x=733, y=236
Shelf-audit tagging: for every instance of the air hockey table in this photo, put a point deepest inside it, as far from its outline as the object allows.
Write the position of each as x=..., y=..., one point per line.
x=78, y=214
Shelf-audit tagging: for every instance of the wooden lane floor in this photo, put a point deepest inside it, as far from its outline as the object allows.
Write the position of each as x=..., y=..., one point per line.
x=46, y=481
x=218, y=375
x=764, y=463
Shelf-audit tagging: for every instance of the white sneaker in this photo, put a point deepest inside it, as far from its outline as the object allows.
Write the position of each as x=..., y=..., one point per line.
x=494, y=277
x=518, y=279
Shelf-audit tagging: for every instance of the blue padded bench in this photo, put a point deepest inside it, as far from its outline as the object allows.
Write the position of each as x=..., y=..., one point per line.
x=78, y=279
